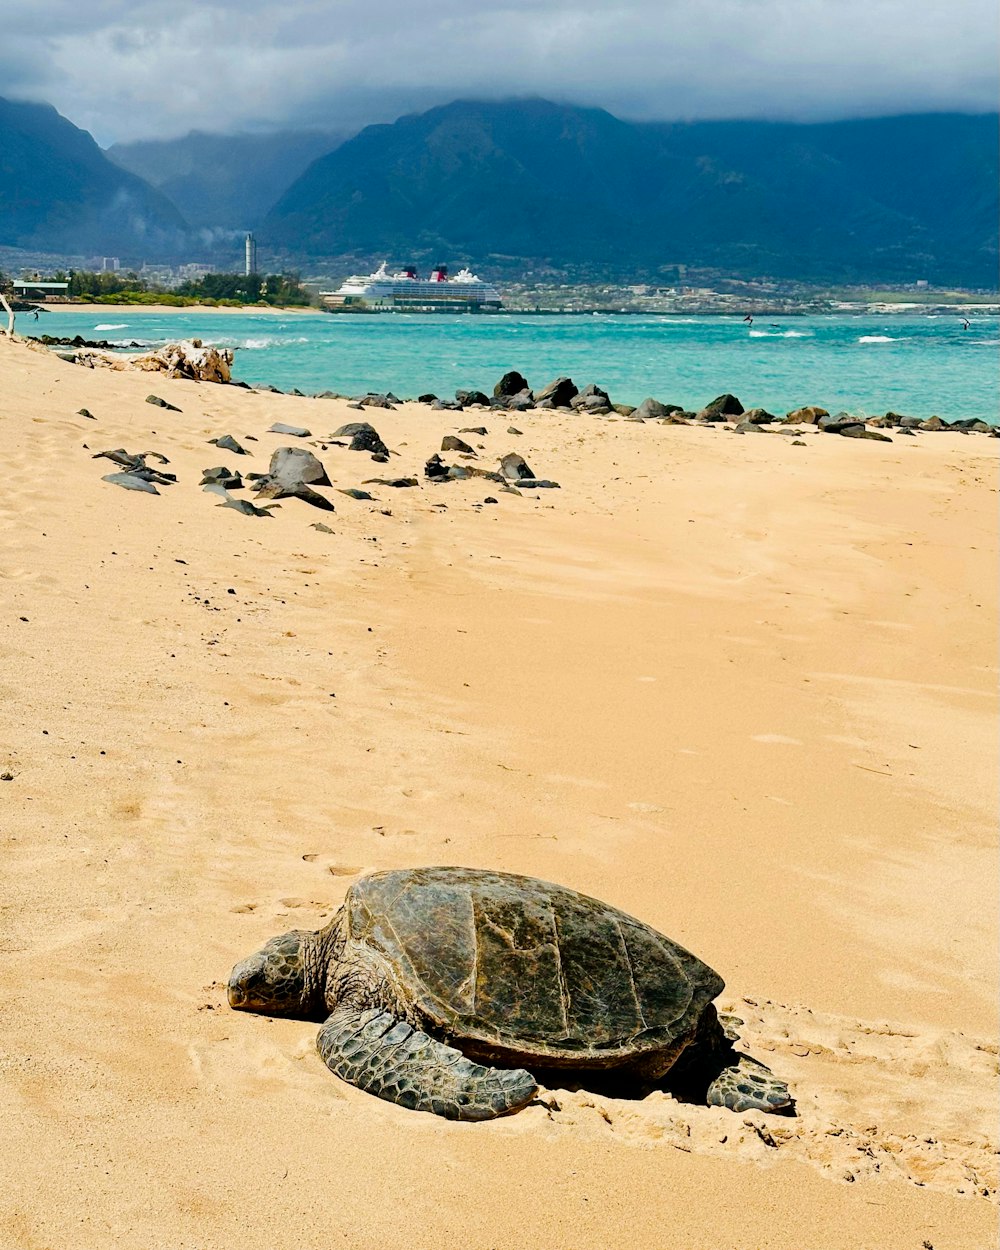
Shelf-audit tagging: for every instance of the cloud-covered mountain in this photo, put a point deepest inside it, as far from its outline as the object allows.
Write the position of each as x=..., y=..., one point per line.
x=884, y=199
x=60, y=193
x=227, y=181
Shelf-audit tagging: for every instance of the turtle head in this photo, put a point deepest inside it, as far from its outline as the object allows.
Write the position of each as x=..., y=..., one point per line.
x=274, y=982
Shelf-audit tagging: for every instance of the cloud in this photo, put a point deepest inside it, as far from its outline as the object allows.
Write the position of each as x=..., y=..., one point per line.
x=157, y=68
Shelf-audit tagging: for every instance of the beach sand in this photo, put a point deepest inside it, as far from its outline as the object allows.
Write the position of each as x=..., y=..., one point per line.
x=742, y=689
x=28, y=326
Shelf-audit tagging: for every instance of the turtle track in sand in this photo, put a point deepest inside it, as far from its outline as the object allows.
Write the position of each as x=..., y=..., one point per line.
x=875, y=1101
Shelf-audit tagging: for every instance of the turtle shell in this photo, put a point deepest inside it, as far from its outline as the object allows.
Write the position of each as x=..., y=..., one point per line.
x=522, y=966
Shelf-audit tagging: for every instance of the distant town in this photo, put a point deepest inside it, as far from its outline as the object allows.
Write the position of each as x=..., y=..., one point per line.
x=37, y=279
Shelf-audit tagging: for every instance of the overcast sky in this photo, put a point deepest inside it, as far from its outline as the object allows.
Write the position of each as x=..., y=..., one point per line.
x=130, y=69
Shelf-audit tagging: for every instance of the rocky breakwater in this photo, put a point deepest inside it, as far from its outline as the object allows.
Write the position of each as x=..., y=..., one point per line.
x=513, y=393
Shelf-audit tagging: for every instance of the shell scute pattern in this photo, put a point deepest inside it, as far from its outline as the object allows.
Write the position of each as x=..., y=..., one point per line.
x=531, y=966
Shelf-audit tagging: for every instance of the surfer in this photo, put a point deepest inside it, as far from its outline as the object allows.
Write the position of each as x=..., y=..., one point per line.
x=749, y=317
x=966, y=323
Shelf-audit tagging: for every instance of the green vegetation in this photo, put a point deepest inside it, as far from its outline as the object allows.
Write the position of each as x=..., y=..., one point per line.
x=236, y=288
x=227, y=290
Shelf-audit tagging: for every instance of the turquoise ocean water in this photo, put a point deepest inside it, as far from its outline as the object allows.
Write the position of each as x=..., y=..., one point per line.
x=917, y=365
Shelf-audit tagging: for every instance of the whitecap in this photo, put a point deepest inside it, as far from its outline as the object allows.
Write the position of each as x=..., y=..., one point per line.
x=115, y=325
x=877, y=338
x=780, y=334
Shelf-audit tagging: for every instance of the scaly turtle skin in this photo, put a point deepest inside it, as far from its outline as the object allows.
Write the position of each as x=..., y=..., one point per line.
x=440, y=986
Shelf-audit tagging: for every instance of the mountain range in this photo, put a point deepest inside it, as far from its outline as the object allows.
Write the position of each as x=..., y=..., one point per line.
x=224, y=182
x=60, y=193
x=529, y=182
x=899, y=198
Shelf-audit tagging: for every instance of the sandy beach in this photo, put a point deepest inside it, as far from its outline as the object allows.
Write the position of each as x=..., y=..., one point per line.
x=29, y=326
x=740, y=688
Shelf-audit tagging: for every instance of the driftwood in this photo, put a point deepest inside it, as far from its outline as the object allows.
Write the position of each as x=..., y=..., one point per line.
x=176, y=360
x=10, y=315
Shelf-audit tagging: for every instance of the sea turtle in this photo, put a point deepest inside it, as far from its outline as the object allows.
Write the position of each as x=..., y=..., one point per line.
x=437, y=984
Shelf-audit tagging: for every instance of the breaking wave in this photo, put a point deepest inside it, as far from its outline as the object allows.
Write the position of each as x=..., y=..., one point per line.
x=112, y=325
x=780, y=334
x=877, y=338
x=262, y=344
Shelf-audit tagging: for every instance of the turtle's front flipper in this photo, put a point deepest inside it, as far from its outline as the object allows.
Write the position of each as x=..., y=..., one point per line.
x=746, y=1085
x=385, y=1056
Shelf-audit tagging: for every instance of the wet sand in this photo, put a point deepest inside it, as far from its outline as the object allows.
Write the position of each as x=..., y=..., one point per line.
x=742, y=689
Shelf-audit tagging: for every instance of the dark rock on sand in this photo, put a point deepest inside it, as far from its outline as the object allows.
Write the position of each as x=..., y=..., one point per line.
x=324, y=395
x=748, y=427
x=651, y=407
x=591, y=399
x=721, y=407
x=291, y=465
x=593, y=405
x=131, y=481
x=161, y=403
x=512, y=383
x=473, y=429
x=246, y=507
x=221, y=476
x=372, y=400
x=839, y=422
x=364, y=437
x=521, y=402
x=512, y=429
x=323, y=529
x=468, y=398
x=85, y=412
x=557, y=394
x=134, y=463
x=490, y=499
x=228, y=443
x=515, y=467
x=352, y=492
x=933, y=423
x=293, y=472
x=446, y=405
x=859, y=431
x=537, y=483
x=271, y=390
x=452, y=442
x=758, y=416
x=623, y=410
x=294, y=431
x=429, y=398
x=436, y=469
x=391, y=481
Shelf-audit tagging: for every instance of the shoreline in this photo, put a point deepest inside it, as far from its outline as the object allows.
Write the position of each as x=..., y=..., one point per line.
x=934, y=311
x=252, y=309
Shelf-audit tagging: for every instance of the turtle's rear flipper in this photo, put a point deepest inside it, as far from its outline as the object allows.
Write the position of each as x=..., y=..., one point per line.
x=385, y=1056
x=747, y=1085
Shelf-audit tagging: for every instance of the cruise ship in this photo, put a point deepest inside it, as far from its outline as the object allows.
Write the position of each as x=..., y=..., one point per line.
x=383, y=291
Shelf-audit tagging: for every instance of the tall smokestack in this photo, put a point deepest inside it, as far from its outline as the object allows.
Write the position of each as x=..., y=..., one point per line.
x=251, y=255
